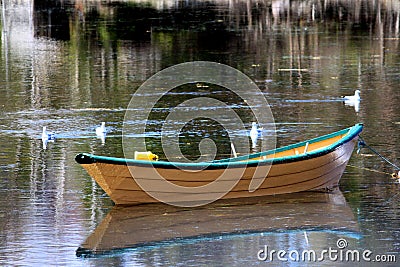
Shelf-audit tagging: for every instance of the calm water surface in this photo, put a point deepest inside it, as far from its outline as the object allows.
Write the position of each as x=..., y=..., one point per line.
x=69, y=65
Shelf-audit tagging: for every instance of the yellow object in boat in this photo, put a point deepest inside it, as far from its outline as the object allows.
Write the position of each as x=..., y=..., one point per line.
x=145, y=155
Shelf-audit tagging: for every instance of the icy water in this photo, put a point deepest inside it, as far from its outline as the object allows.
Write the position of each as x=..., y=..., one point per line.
x=70, y=65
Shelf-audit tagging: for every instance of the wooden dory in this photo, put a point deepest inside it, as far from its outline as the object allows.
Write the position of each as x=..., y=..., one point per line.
x=315, y=164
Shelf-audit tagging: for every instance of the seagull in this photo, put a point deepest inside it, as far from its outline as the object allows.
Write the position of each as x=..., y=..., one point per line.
x=47, y=137
x=354, y=98
x=101, y=132
x=255, y=132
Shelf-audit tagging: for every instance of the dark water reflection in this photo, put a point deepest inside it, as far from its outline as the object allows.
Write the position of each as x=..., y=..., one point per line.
x=289, y=218
x=70, y=65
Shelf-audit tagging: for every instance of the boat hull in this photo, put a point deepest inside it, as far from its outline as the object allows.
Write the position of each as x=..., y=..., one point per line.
x=318, y=171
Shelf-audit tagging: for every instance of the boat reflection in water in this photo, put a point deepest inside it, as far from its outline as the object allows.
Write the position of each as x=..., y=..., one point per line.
x=157, y=224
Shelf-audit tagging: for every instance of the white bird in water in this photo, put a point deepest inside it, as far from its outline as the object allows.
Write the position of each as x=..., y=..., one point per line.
x=353, y=100
x=101, y=132
x=355, y=97
x=255, y=133
x=47, y=137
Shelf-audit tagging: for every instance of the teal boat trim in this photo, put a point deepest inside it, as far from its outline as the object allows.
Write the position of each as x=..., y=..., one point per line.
x=238, y=162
